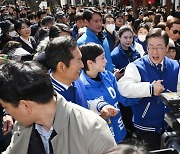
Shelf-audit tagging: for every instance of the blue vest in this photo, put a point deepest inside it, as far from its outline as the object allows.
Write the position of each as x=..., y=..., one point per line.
x=74, y=94
x=149, y=112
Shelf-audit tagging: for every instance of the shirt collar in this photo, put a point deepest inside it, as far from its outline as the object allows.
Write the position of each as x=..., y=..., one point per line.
x=29, y=41
x=162, y=63
x=43, y=131
x=62, y=84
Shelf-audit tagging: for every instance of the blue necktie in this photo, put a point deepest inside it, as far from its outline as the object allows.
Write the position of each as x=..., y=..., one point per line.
x=72, y=92
x=159, y=66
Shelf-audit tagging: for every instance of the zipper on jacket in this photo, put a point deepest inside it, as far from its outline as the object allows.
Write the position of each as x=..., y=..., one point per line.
x=146, y=109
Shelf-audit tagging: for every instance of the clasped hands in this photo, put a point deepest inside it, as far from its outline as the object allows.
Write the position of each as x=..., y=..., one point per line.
x=158, y=88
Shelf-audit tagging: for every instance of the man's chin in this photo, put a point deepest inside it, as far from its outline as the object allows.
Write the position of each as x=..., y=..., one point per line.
x=25, y=125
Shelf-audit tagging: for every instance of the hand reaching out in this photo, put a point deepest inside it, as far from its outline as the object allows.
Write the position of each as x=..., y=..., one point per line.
x=7, y=124
x=108, y=111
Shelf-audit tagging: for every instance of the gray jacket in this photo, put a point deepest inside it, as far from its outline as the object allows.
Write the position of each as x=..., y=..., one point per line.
x=79, y=131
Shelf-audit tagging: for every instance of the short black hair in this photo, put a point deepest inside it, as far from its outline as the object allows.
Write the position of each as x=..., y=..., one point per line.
x=40, y=13
x=31, y=16
x=24, y=81
x=18, y=24
x=125, y=28
x=107, y=16
x=64, y=27
x=54, y=31
x=158, y=32
x=143, y=25
x=47, y=20
x=90, y=51
x=78, y=16
x=59, y=50
x=88, y=13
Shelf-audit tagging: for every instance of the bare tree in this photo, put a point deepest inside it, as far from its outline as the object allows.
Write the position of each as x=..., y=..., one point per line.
x=33, y=4
x=134, y=7
x=52, y=4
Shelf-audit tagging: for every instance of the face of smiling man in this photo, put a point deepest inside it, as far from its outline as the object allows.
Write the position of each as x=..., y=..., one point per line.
x=156, y=49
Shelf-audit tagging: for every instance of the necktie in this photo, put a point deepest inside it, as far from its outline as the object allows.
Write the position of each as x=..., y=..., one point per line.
x=71, y=92
x=159, y=66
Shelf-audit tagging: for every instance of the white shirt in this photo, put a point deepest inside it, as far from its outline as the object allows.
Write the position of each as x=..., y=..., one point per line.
x=45, y=135
x=27, y=42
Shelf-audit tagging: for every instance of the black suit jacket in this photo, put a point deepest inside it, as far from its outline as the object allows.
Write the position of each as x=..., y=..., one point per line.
x=27, y=47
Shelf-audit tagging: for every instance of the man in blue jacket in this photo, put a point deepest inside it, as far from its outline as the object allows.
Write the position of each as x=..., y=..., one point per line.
x=147, y=78
x=64, y=59
x=93, y=22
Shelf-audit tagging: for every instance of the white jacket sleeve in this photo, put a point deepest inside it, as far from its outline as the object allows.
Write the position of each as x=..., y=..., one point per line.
x=130, y=84
x=178, y=85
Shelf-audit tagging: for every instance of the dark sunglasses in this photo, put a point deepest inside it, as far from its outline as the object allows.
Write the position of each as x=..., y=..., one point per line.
x=176, y=31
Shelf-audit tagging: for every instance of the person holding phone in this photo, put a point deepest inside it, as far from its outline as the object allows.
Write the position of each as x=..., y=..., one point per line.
x=124, y=53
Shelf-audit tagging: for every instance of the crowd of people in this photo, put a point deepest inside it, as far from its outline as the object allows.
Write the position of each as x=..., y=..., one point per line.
x=84, y=79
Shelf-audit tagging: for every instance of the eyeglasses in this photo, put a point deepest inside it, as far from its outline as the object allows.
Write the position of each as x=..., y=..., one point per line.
x=176, y=31
x=159, y=49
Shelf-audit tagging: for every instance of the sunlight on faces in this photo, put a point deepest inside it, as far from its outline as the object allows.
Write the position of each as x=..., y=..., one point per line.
x=100, y=63
x=156, y=49
x=126, y=40
x=142, y=31
x=171, y=34
x=171, y=53
x=76, y=64
x=22, y=113
x=25, y=31
x=95, y=24
x=109, y=21
x=119, y=22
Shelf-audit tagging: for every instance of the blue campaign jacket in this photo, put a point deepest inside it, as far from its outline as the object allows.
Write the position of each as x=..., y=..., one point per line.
x=107, y=90
x=120, y=58
x=80, y=96
x=90, y=36
x=74, y=31
x=149, y=112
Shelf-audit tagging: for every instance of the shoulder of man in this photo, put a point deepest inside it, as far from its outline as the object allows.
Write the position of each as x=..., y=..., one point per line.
x=20, y=139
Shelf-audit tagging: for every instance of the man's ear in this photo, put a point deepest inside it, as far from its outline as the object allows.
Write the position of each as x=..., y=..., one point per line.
x=26, y=106
x=166, y=29
x=61, y=67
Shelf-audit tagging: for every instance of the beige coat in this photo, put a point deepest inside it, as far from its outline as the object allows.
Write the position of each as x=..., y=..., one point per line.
x=79, y=131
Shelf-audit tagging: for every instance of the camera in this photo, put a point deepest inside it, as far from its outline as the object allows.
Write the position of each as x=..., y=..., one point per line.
x=170, y=141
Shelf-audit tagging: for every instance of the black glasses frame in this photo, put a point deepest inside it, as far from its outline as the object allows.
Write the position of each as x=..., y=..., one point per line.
x=176, y=31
